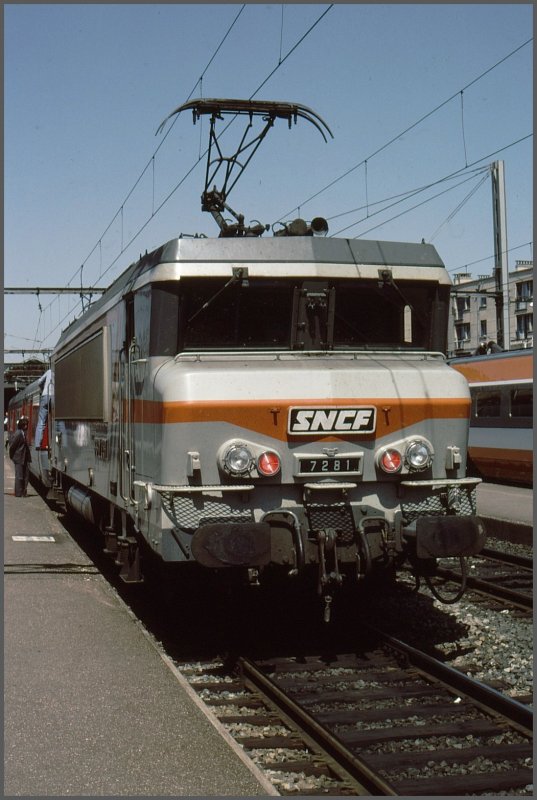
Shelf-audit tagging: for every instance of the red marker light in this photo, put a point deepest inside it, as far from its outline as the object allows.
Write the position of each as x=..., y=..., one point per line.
x=269, y=463
x=391, y=460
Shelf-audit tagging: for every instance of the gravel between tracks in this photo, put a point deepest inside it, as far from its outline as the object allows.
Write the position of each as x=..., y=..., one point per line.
x=495, y=646
x=492, y=645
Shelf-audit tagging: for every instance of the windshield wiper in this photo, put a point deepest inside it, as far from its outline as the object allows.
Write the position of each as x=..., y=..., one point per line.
x=238, y=277
x=386, y=280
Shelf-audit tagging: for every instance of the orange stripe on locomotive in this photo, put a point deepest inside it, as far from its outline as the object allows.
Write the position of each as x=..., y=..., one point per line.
x=269, y=418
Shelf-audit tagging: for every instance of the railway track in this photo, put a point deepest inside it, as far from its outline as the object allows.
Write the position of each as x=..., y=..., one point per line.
x=495, y=574
x=388, y=720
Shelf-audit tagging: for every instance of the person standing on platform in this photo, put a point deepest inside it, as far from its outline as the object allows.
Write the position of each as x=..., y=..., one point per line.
x=19, y=453
x=46, y=385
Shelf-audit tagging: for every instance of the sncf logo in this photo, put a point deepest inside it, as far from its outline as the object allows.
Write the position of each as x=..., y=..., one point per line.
x=341, y=419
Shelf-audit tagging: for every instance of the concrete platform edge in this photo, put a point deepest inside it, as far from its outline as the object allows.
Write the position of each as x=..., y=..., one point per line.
x=212, y=718
x=515, y=532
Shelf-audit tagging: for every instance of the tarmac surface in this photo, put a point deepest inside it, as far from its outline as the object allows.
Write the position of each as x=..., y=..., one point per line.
x=92, y=707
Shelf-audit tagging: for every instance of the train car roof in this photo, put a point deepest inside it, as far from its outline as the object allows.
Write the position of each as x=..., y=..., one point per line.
x=207, y=256
x=511, y=365
x=299, y=249
x=26, y=391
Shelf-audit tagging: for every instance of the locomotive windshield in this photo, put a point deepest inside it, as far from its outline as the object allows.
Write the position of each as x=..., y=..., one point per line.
x=198, y=314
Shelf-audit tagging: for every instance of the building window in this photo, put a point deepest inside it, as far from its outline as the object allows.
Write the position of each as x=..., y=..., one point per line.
x=524, y=290
x=524, y=326
x=482, y=327
x=482, y=302
x=460, y=304
x=524, y=295
x=463, y=332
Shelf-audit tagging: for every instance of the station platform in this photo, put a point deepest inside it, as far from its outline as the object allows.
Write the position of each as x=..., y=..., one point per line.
x=507, y=512
x=91, y=704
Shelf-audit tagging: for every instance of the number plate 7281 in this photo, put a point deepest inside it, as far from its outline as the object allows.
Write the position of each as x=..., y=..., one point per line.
x=323, y=466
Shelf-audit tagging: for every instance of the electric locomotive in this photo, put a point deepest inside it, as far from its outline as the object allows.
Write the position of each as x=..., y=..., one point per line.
x=268, y=405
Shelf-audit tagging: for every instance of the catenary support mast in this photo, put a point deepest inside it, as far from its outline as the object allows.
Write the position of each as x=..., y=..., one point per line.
x=501, y=268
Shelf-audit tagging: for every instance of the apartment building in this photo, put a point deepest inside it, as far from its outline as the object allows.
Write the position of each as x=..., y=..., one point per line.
x=474, y=310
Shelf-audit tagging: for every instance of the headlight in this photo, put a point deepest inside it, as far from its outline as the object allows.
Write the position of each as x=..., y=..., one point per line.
x=418, y=456
x=238, y=459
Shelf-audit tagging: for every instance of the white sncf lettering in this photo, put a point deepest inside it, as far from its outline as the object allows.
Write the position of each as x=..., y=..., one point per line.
x=334, y=420
x=323, y=421
x=302, y=421
x=363, y=419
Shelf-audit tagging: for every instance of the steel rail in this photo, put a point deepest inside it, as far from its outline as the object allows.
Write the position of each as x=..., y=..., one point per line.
x=490, y=699
x=523, y=601
x=507, y=558
x=493, y=590
x=359, y=771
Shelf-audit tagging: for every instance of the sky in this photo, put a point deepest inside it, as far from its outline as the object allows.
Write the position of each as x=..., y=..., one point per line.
x=424, y=95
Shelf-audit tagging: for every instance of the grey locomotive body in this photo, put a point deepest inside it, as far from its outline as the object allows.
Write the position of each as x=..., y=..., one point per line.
x=256, y=404
x=253, y=405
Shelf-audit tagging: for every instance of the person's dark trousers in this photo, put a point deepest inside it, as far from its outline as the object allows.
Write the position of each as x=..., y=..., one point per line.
x=22, y=474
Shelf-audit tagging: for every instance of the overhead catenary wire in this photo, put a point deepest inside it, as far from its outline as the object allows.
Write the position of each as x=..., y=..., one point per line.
x=281, y=61
x=464, y=290
x=151, y=162
x=38, y=319
x=189, y=172
x=406, y=211
x=407, y=129
x=199, y=82
x=281, y=34
x=292, y=50
x=487, y=258
x=406, y=194
x=69, y=313
x=462, y=124
x=458, y=208
x=456, y=173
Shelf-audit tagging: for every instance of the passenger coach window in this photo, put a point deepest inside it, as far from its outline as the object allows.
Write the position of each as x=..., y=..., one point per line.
x=488, y=404
x=521, y=402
